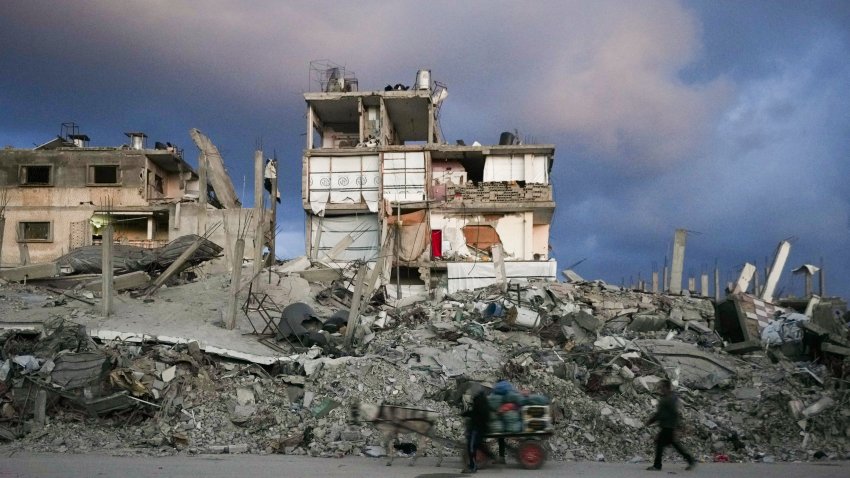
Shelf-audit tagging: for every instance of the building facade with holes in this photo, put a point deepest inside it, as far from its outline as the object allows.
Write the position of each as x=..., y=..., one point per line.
x=57, y=195
x=380, y=180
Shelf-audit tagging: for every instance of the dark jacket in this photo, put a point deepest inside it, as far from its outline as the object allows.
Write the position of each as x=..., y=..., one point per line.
x=479, y=414
x=667, y=414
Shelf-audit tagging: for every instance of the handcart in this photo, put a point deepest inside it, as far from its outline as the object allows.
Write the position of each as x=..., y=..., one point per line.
x=527, y=447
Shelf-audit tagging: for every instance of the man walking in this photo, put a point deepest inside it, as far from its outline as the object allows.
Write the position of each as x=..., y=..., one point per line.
x=667, y=417
x=478, y=420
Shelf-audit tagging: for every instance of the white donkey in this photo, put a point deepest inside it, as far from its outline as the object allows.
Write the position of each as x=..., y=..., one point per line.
x=394, y=420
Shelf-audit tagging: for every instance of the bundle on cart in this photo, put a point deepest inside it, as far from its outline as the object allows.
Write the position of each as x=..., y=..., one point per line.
x=516, y=412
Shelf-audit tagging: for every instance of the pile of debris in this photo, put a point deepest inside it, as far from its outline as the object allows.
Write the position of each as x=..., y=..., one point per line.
x=597, y=351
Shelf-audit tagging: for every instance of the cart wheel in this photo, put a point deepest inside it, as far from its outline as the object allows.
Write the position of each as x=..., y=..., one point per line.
x=531, y=455
x=482, y=458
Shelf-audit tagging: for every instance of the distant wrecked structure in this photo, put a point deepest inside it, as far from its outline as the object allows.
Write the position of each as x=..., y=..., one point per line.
x=61, y=195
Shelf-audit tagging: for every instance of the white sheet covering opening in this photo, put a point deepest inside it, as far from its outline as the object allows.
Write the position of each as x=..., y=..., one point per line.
x=517, y=167
x=473, y=275
x=404, y=176
x=344, y=180
x=363, y=228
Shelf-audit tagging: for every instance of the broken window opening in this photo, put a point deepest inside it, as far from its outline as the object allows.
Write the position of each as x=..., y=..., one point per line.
x=157, y=184
x=36, y=175
x=104, y=174
x=32, y=231
x=481, y=238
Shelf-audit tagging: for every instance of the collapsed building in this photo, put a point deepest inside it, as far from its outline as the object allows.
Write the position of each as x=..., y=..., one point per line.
x=378, y=174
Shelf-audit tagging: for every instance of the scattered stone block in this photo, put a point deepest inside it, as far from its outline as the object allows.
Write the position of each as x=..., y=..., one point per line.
x=169, y=374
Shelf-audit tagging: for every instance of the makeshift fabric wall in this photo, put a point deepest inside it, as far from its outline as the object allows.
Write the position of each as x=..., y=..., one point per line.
x=344, y=180
x=404, y=176
x=414, y=234
x=363, y=229
x=472, y=275
x=528, y=168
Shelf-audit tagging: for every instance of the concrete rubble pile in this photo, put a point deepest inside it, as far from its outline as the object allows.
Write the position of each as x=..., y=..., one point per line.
x=596, y=350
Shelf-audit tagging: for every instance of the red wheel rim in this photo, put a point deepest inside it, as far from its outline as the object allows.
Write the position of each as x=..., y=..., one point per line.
x=481, y=458
x=531, y=455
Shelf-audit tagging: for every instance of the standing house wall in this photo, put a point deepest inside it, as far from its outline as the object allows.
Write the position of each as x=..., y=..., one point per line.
x=60, y=219
x=540, y=240
x=67, y=199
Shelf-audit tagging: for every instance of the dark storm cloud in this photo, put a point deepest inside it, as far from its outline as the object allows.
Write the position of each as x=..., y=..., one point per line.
x=727, y=118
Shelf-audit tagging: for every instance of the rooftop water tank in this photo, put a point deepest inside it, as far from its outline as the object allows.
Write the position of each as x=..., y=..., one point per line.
x=423, y=80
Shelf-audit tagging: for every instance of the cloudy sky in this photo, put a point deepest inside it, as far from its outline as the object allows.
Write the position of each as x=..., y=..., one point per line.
x=726, y=118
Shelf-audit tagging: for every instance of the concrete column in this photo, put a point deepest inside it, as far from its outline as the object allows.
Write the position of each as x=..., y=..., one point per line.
x=259, y=240
x=716, y=285
x=821, y=287
x=202, y=180
x=678, y=261
x=310, y=127
x=666, y=280
x=151, y=226
x=499, y=266
x=2, y=230
x=704, y=285
x=808, y=284
x=178, y=218
x=744, y=279
x=431, y=123
x=258, y=180
x=235, y=279
x=654, y=282
x=259, y=232
x=756, y=281
x=692, y=284
x=772, y=280
x=40, y=409
x=106, y=270
x=273, y=222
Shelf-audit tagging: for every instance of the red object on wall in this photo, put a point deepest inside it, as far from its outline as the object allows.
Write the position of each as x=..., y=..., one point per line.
x=437, y=244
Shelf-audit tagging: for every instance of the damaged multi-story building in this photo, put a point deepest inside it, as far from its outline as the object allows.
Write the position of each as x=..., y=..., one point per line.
x=59, y=195
x=376, y=168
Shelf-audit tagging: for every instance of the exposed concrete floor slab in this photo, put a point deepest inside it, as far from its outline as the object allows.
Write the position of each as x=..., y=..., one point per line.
x=188, y=312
